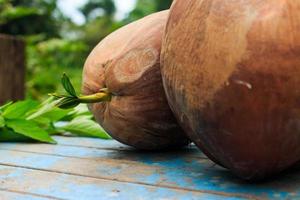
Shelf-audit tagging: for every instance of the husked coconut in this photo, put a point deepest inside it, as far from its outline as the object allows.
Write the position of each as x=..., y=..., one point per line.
x=127, y=64
x=231, y=70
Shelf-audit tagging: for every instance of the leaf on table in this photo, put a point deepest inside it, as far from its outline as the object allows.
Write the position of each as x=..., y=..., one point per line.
x=83, y=118
x=2, y=108
x=85, y=128
x=48, y=110
x=44, y=107
x=2, y=122
x=42, y=121
x=19, y=109
x=54, y=115
x=29, y=129
x=68, y=85
x=68, y=102
x=7, y=135
x=53, y=130
x=80, y=110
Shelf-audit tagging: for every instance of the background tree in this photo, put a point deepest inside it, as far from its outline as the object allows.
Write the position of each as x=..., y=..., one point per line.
x=146, y=7
x=163, y=5
x=27, y=17
x=98, y=8
x=100, y=21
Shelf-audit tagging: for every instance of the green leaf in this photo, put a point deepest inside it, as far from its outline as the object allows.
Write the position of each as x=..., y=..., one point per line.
x=7, y=135
x=19, y=109
x=53, y=130
x=68, y=85
x=80, y=110
x=55, y=115
x=58, y=96
x=2, y=108
x=42, y=121
x=29, y=129
x=45, y=107
x=2, y=122
x=48, y=110
x=85, y=128
x=68, y=102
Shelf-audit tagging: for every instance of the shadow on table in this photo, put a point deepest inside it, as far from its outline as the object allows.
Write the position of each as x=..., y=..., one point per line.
x=190, y=168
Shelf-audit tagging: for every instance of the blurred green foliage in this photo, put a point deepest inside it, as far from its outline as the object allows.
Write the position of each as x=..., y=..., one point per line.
x=146, y=7
x=26, y=17
x=55, y=44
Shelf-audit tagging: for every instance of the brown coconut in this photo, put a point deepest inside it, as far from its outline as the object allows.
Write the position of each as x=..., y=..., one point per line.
x=127, y=63
x=231, y=70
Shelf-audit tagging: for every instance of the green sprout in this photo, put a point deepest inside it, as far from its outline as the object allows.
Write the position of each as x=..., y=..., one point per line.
x=71, y=99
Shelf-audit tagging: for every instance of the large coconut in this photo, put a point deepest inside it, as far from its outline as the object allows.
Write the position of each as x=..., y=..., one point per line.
x=231, y=70
x=127, y=63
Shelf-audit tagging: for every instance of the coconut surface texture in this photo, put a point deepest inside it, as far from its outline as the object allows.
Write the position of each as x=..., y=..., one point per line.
x=127, y=63
x=231, y=70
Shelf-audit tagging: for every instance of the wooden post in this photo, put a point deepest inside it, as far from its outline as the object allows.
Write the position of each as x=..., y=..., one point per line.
x=12, y=68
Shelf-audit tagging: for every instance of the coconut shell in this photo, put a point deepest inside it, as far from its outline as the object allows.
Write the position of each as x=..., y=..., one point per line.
x=127, y=62
x=231, y=70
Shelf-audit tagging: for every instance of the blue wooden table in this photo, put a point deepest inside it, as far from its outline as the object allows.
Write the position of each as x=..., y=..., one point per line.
x=81, y=168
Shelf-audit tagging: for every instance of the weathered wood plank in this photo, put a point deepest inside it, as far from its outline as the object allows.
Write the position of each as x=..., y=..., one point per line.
x=8, y=195
x=64, y=186
x=12, y=68
x=98, y=143
x=198, y=176
x=90, y=143
x=188, y=154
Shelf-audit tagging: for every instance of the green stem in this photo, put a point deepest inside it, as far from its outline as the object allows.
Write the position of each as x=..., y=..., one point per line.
x=69, y=101
x=102, y=96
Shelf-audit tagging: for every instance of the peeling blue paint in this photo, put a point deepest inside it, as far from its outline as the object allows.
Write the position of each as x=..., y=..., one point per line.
x=26, y=198
x=5, y=195
x=11, y=157
x=123, y=191
x=173, y=169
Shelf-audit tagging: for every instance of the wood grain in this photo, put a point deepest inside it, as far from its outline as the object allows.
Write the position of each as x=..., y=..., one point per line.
x=12, y=68
x=72, y=168
x=65, y=186
x=5, y=194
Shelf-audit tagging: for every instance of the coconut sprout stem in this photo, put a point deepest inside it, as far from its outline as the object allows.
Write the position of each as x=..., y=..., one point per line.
x=71, y=99
x=95, y=98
